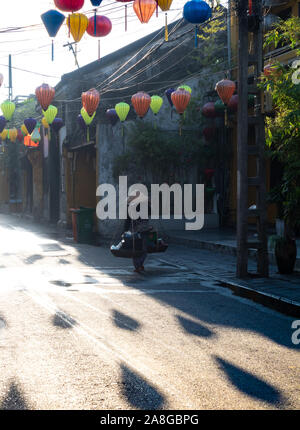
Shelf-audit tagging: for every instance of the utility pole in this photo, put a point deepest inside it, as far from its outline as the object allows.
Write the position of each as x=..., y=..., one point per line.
x=10, y=88
x=245, y=61
x=70, y=46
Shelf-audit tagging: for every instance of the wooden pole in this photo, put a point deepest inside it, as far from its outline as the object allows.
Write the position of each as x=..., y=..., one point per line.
x=242, y=142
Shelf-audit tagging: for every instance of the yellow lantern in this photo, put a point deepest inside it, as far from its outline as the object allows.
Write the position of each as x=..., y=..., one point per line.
x=50, y=114
x=77, y=24
x=13, y=134
x=45, y=123
x=186, y=88
x=24, y=130
x=165, y=6
x=4, y=134
x=8, y=109
x=156, y=103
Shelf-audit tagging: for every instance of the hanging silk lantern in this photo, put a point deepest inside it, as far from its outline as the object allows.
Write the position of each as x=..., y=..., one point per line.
x=29, y=143
x=90, y=100
x=185, y=87
x=77, y=24
x=219, y=107
x=57, y=124
x=30, y=124
x=209, y=110
x=52, y=20
x=141, y=102
x=196, y=12
x=165, y=6
x=12, y=134
x=35, y=136
x=4, y=134
x=2, y=123
x=168, y=93
x=69, y=5
x=225, y=89
x=24, y=130
x=156, y=104
x=50, y=114
x=81, y=122
x=8, y=109
x=180, y=99
x=144, y=9
x=1, y=79
x=122, y=110
x=99, y=26
x=20, y=136
x=233, y=103
x=112, y=116
x=45, y=123
x=45, y=94
x=88, y=120
x=125, y=1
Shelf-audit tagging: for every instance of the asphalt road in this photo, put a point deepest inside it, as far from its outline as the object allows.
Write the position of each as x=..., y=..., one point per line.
x=80, y=330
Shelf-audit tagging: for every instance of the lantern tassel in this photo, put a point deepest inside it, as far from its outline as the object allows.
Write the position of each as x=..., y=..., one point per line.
x=125, y=17
x=69, y=25
x=88, y=134
x=95, y=22
x=156, y=9
x=196, y=37
x=226, y=118
x=99, y=49
x=166, y=28
x=52, y=50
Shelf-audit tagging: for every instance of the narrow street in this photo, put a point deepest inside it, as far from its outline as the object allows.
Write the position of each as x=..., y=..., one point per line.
x=80, y=330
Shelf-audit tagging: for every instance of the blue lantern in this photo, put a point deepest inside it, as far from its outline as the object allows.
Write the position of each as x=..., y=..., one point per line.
x=96, y=3
x=196, y=12
x=52, y=20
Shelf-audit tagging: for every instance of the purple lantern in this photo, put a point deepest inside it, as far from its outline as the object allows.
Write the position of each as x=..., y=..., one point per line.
x=30, y=124
x=2, y=123
x=57, y=124
x=168, y=93
x=81, y=122
x=112, y=116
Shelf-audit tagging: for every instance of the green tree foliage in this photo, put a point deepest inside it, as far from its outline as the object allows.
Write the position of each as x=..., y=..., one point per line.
x=283, y=128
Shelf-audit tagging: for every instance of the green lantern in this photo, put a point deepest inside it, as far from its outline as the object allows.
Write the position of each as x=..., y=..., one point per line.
x=219, y=107
x=122, y=110
x=8, y=109
x=156, y=103
x=186, y=88
x=87, y=119
x=50, y=114
x=35, y=136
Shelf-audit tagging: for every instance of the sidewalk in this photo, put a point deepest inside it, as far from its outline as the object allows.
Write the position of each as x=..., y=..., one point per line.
x=280, y=292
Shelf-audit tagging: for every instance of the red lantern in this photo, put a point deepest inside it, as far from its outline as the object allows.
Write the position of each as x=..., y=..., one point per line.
x=180, y=99
x=103, y=26
x=225, y=89
x=20, y=136
x=45, y=95
x=233, y=103
x=69, y=5
x=209, y=110
x=90, y=100
x=144, y=9
x=141, y=102
x=208, y=133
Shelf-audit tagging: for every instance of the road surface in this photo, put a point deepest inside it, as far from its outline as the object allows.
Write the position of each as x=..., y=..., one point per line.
x=80, y=330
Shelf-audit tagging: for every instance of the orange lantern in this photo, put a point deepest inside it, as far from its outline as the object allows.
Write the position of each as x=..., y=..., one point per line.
x=90, y=100
x=141, y=102
x=225, y=89
x=30, y=143
x=45, y=94
x=144, y=9
x=180, y=99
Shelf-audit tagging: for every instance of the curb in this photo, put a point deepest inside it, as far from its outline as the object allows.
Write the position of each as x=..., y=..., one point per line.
x=280, y=304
